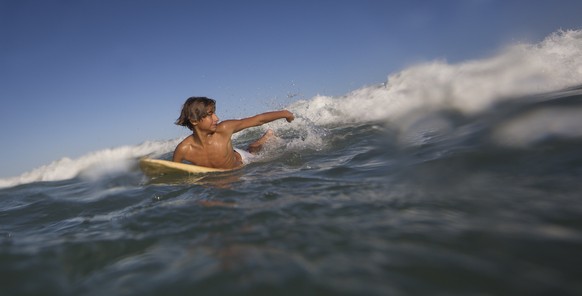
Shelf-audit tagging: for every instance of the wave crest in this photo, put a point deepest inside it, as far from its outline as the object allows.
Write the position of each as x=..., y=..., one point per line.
x=469, y=87
x=91, y=165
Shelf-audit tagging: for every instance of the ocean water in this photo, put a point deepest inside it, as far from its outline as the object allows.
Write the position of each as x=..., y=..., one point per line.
x=448, y=179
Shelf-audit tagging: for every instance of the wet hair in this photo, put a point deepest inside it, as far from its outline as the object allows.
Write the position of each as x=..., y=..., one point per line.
x=195, y=109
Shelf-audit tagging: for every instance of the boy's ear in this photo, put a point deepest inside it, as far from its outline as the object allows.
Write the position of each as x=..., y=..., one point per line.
x=193, y=122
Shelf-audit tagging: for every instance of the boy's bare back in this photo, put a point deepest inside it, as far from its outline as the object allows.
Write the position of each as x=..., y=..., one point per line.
x=210, y=144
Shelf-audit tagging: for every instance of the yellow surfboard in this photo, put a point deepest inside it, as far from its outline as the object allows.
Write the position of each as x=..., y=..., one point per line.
x=158, y=167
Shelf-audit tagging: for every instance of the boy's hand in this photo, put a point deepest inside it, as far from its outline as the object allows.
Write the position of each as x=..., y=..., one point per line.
x=289, y=116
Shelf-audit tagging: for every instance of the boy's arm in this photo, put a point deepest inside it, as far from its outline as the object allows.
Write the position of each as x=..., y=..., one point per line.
x=257, y=120
x=178, y=154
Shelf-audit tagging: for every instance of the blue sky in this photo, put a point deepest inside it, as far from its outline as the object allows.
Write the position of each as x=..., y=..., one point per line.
x=80, y=76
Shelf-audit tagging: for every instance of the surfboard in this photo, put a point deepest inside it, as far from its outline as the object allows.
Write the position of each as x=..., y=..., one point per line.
x=158, y=167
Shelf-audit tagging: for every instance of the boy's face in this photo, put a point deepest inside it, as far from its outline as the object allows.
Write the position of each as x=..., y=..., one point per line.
x=208, y=123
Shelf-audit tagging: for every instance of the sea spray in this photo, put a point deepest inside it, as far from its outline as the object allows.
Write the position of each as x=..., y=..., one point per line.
x=412, y=99
x=468, y=87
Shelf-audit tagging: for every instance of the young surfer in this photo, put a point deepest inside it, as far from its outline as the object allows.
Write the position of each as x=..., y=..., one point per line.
x=210, y=144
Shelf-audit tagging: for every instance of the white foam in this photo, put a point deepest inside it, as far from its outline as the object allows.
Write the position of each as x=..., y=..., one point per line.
x=469, y=87
x=538, y=125
x=92, y=165
x=411, y=99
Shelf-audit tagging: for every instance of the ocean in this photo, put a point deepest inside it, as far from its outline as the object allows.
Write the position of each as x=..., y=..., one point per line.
x=448, y=179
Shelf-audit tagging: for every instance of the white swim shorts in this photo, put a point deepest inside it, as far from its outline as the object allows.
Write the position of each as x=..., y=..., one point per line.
x=246, y=156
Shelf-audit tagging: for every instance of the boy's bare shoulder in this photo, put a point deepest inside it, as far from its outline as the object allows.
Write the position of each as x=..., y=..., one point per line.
x=187, y=143
x=186, y=140
x=184, y=150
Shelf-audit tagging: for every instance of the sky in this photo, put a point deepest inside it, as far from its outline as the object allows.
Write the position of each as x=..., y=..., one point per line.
x=78, y=76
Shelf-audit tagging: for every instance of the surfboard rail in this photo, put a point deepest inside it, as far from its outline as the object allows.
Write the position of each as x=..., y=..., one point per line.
x=157, y=167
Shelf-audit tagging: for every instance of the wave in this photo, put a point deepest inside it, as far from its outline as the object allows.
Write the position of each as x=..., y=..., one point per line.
x=92, y=165
x=412, y=100
x=469, y=87
x=409, y=100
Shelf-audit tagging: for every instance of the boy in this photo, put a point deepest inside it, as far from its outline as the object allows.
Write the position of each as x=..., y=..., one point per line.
x=210, y=144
